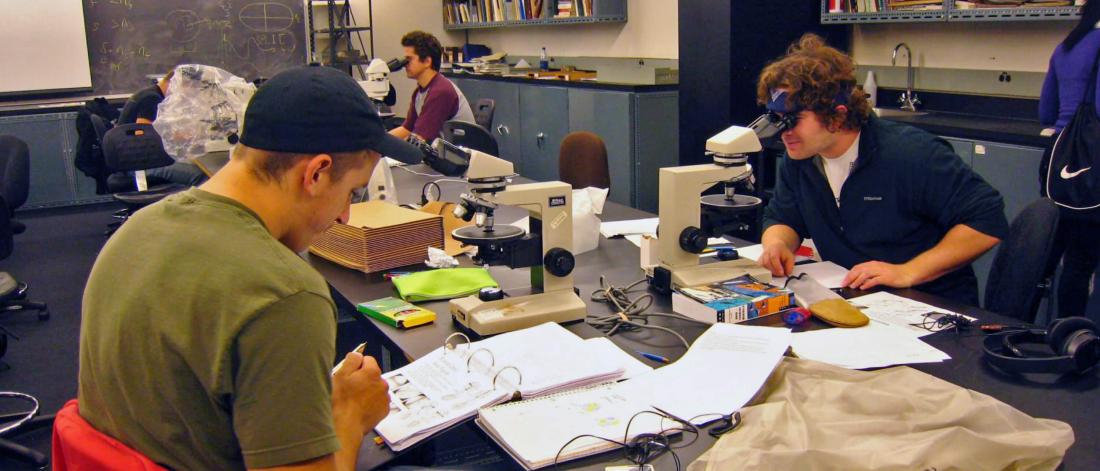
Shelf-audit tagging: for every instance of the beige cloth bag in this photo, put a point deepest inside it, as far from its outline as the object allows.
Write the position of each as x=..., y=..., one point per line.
x=815, y=416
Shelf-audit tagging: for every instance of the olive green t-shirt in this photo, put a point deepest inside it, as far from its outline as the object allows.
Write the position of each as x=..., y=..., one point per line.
x=205, y=343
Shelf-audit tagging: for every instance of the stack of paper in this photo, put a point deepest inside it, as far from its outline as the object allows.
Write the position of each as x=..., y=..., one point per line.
x=380, y=236
x=446, y=387
x=891, y=338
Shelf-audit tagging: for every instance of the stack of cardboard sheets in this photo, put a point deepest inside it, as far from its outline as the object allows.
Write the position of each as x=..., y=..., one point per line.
x=380, y=236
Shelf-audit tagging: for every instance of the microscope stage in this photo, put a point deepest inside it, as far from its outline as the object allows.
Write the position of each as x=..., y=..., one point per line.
x=499, y=233
x=739, y=202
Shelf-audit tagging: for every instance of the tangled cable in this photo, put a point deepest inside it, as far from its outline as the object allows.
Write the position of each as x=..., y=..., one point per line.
x=630, y=314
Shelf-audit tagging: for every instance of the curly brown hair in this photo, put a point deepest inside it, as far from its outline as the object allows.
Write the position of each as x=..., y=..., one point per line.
x=426, y=45
x=817, y=78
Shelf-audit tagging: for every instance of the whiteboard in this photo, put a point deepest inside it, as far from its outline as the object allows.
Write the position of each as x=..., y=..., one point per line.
x=43, y=46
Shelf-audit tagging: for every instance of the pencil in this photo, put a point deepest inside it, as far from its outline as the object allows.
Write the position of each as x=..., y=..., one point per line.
x=360, y=349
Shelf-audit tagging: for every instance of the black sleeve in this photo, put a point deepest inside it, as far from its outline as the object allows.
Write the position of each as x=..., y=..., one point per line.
x=952, y=194
x=783, y=207
x=147, y=107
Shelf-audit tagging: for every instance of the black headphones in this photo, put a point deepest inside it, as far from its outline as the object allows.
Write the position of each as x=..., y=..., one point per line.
x=1073, y=340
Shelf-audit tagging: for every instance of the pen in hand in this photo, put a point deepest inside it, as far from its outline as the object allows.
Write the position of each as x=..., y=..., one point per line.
x=360, y=349
x=653, y=356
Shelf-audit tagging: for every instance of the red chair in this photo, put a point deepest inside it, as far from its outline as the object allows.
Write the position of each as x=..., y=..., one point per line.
x=77, y=446
x=582, y=161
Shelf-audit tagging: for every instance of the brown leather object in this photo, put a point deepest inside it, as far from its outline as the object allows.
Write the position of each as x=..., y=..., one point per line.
x=839, y=312
x=582, y=161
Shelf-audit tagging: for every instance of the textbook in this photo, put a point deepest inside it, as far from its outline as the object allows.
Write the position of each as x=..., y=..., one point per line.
x=396, y=312
x=736, y=300
x=449, y=385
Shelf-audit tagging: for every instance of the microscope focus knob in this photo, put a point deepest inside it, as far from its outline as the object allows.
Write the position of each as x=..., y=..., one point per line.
x=693, y=240
x=559, y=262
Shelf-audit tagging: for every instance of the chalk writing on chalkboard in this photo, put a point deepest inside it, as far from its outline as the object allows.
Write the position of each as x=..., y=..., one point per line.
x=130, y=40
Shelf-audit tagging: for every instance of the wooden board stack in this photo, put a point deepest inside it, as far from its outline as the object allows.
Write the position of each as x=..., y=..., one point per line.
x=380, y=236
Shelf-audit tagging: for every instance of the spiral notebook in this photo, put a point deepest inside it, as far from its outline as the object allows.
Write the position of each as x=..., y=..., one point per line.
x=600, y=411
x=451, y=383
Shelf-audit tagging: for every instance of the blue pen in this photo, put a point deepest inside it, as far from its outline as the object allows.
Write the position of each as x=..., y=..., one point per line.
x=653, y=357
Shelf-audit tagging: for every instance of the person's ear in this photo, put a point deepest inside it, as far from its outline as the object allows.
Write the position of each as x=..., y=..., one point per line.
x=838, y=119
x=316, y=172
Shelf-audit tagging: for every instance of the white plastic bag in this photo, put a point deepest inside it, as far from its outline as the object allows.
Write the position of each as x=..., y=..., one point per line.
x=203, y=104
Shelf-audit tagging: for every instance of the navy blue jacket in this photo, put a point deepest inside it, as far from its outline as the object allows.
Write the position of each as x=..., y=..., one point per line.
x=907, y=189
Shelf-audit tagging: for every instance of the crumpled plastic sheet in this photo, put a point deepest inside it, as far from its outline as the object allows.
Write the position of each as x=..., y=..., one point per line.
x=204, y=103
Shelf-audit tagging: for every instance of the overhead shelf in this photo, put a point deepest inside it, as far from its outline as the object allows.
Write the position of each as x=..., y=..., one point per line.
x=949, y=13
x=598, y=11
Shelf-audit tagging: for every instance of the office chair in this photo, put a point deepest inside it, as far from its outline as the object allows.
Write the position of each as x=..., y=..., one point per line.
x=483, y=112
x=582, y=161
x=77, y=445
x=470, y=135
x=14, y=186
x=1023, y=267
x=136, y=148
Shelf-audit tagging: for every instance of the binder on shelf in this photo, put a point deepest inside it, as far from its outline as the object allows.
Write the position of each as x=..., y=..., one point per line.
x=449, y=385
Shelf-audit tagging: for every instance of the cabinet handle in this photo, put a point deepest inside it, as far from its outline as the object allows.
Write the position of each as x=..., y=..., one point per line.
x=502, y=130
x=540, y=138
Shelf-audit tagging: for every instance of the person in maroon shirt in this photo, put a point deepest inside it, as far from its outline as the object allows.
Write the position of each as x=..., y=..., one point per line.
x=436, y=100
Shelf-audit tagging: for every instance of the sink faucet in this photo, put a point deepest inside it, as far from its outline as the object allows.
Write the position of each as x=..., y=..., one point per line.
x=908, y=99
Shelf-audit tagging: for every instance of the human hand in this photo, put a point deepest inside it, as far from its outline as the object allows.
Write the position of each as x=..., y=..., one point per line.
x=868, y=275
x=777, y=258
x=360, y=397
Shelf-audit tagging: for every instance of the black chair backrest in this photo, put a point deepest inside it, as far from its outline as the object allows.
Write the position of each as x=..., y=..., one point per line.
x=582, y=161
x=1023, y=262
x=483, y=112
x=130, y=147
x=470, y=135
x=15, y=172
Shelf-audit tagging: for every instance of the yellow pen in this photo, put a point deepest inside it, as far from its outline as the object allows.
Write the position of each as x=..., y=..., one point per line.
x=360, y=349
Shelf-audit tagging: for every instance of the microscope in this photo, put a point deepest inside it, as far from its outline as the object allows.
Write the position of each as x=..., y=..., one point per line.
x=688, y=220
x=546, y=249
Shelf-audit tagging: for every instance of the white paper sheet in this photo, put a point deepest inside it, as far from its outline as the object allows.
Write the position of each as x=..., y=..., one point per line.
x=629, y=227
x=898, y=311
x=719, y=374
x=828, y=274
x=874, y=345
x=605, y=349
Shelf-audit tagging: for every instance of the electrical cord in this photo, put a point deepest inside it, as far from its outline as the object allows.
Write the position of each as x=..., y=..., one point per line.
x=630, y=314
x=644, y=447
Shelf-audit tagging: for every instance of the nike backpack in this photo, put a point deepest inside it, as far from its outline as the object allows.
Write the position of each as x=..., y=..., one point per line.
x=1073, y=171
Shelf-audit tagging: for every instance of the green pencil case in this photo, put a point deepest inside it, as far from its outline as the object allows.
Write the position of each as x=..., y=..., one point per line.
x=444, y=283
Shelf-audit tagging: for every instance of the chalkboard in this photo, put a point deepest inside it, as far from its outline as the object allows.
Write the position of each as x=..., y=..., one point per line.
x=131, y=39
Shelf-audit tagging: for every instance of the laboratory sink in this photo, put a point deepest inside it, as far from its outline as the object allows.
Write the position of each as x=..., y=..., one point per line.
x=897, y=113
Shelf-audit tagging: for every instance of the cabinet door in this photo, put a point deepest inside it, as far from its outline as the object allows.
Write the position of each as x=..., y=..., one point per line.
x=963, y=147
x=656, y=143
x=608, y=114
x=1013, y=171
x=545, y=112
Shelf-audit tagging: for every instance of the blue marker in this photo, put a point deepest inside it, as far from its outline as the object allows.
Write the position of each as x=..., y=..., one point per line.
x=653, y=357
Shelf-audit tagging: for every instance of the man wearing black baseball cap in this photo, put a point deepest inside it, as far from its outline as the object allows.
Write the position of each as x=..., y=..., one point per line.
x=206, y=341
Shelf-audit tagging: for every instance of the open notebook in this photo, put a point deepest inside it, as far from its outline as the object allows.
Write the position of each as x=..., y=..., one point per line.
x=718, y=375
x=448, y=385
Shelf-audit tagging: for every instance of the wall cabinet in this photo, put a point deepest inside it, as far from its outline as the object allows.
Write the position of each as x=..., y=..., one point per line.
x=531, y=120
x=949, y=11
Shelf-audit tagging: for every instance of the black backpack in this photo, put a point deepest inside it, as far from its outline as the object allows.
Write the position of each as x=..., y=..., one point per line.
x=89, y=134
x=1072, y=176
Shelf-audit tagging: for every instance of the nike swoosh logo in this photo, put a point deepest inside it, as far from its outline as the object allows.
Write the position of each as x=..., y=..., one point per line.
x=1066, y=174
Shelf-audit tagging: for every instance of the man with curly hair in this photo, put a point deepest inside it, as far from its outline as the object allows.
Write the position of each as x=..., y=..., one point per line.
x=436, y=100
x=890, y=202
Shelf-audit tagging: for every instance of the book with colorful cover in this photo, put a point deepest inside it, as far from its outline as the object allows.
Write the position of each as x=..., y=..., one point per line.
x=731, y=301
x=396, y=312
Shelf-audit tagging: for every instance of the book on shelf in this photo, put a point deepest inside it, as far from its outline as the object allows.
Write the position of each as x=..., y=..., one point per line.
x=449, y=385
x=731, y=301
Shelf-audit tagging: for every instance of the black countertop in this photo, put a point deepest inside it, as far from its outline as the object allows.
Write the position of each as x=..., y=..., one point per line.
x=1002, y=130
x=593, y=84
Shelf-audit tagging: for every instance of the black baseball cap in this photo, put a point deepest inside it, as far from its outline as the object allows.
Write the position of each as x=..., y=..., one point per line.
x=316, y=109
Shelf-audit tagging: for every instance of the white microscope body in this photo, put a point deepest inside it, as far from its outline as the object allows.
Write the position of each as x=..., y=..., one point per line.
x=681, y=237
x=547, y=249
